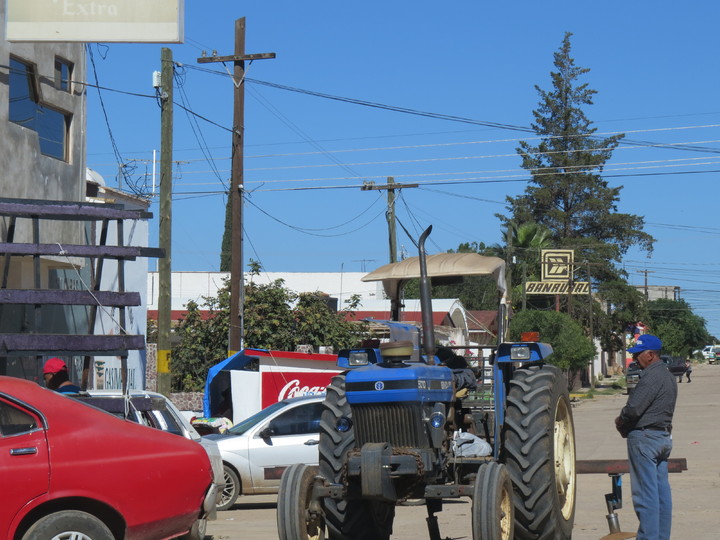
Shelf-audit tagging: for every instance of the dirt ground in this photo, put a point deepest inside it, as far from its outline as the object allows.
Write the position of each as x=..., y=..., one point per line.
x=696, y=437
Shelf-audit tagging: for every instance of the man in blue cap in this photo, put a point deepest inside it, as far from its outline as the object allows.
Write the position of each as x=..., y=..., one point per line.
x=646, y=422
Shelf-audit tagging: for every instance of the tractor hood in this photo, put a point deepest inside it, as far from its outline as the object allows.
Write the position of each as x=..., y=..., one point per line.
x=414, y=382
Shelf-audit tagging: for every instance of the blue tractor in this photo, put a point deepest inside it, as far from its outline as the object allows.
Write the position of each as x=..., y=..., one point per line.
x=392, y=421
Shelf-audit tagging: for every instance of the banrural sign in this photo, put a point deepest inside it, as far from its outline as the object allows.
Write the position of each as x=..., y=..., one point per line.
x=556, y=264
x=557, y=287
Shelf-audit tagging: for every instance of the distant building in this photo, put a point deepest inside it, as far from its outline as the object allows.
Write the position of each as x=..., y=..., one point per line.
x=193, y=286
x=659, y=292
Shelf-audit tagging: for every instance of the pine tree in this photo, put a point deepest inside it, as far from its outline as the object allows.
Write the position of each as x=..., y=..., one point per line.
x=226, y=247
x=567, y=193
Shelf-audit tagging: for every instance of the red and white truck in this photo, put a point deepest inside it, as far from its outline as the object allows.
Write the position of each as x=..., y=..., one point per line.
x=252, y=379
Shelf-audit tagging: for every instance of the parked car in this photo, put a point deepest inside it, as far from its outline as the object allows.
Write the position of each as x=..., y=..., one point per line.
x=632, y=376
x=677, y=365
x=713, y=355
x=78, y=472
x=157, y=411
x=256, y=451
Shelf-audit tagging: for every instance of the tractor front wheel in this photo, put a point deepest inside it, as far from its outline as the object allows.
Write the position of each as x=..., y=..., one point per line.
x=492, y=503
x=539, y=452
x=296, y=519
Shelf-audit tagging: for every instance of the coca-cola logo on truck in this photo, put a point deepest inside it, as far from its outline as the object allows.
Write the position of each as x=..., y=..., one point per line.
x=293, y=389
x=280, y=385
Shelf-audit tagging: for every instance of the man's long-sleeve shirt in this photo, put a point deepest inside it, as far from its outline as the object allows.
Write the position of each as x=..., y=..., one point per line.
x=652, y=403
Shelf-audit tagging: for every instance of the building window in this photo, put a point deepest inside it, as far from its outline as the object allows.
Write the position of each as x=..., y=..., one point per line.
x=27, y=110
x=63, y=74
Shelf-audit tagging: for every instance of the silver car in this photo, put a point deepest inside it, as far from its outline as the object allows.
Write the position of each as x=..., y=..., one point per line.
x=256, y=451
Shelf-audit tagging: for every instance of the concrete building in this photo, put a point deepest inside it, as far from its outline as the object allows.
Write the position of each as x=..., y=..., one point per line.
x=51, y=230
x=42, y=128
x=659, y=292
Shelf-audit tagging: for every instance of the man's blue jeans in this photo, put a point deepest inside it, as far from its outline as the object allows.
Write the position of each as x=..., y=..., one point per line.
x=648, y=452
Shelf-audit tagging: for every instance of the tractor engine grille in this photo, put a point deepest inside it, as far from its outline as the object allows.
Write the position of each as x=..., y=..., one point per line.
x=399, y=424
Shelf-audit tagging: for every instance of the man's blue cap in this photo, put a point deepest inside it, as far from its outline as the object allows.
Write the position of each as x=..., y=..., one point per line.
x=646, y=342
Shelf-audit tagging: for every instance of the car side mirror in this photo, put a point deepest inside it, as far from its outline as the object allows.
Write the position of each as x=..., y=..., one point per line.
x=267, y=433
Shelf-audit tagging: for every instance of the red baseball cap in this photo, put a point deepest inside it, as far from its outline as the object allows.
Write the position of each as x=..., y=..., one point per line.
x=53, y=365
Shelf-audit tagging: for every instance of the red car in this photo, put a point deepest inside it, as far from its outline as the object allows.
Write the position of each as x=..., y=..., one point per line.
x=70, y=470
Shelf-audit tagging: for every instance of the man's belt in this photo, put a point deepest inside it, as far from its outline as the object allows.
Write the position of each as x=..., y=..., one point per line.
x=655, y=428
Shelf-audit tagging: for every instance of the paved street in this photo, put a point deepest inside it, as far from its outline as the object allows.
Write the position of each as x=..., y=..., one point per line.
x=696, y=436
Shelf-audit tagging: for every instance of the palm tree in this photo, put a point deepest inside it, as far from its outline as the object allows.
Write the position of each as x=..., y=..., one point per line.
x=523, y=245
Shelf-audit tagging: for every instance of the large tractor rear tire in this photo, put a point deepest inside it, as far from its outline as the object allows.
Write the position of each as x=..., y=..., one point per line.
x=295, y=518
x=346, y=519
x=539, y=452
x=492, y=503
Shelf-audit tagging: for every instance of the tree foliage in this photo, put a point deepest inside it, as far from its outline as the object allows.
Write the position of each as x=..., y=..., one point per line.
x=567, y=193
x=202, y=341
x=572, y=349
x=226, y=246
x=275, y=318
x=268, y=316
x=680, y=330
x=624, y=306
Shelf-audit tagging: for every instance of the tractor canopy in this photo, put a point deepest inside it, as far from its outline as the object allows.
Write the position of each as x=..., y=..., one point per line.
x=441, y=265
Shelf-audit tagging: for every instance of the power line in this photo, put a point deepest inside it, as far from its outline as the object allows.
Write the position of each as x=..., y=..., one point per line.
x=270, y=107
x=468, y=181
x=122, y=169
x=197, y=132
x=309, y=232
x=440, y=116
x=571, y=169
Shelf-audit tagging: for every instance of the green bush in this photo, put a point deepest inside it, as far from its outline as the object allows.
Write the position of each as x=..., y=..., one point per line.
x=572, y=350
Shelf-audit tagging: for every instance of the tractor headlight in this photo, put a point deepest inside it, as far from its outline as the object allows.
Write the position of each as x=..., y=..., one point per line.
x=520, y=353
x=358, y=358
x=343, y=424
x=437, y=420
x=436, y=425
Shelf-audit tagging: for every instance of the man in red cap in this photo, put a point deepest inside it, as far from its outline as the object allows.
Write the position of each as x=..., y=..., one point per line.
x=55, y=373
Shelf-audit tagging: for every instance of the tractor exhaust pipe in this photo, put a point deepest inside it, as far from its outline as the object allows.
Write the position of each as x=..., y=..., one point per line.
x=426, y=300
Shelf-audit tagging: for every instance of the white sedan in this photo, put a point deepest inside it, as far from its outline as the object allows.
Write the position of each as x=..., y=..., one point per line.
x=256, y=451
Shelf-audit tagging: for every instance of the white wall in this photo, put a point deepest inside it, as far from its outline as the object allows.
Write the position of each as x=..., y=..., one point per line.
x=188, y=286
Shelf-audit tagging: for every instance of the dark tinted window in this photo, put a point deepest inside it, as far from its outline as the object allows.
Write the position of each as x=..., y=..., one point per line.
x=63, y=74
x=25, y=109
x=14, y=421
x=298, y=421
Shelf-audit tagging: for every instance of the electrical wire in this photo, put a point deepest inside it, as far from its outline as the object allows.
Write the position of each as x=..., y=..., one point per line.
x=197, y=132
x=308, y=232
x=122, y=168
x=379, y=198
x=285, y=120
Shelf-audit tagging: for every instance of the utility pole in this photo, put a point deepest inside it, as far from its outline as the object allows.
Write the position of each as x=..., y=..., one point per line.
x=524, y=279
x=391, y=219
x=647, y=292
x=165, y=263
x=237, y=284
x=592, y=329
x=391, y=186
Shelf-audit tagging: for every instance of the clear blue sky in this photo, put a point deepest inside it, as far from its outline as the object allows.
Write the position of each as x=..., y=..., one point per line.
x=653, y=63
